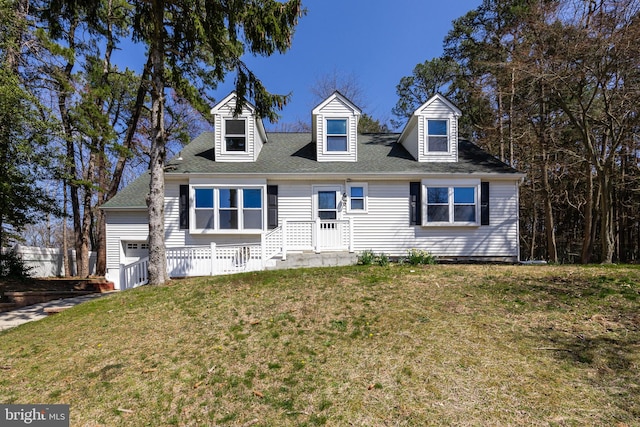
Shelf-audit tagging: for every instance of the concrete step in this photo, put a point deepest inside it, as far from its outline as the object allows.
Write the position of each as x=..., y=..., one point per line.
x=311, y=259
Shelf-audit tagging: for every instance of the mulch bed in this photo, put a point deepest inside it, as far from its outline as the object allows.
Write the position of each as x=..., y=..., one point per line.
x=48, y=284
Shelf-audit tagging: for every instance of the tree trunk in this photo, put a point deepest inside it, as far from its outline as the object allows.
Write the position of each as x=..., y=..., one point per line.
x=65, y=243
x=534, y=223
x=511, y=116
x=155, y=199
x=587, y=240
x=100, y=229
x=67, y=128
x=607, y=231
x=501, y=125
x=85, y=230
x=549, y=223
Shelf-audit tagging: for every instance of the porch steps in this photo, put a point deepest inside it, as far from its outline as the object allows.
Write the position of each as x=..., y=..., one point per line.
x=311, y=259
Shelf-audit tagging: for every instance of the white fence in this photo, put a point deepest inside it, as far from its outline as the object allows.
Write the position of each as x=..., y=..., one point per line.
x=47, y=262
x=190, y=261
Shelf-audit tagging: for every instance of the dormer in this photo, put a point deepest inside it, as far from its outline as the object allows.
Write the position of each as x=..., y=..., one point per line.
x=431, y=135
x=237, y=138
x=335, y=129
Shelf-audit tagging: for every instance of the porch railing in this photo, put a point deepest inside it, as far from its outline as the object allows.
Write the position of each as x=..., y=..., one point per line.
x=318, y=236
x=135, y=274
x=272, y=243
x=214, y=259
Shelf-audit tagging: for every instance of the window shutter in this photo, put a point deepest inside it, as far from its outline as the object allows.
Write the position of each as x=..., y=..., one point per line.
x=184, y=207
x=484, y=203
x=415, y=203
x=272, y=206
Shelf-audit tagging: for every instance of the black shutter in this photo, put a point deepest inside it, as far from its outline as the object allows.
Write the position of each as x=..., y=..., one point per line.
x=272, y=206
x=484, y=203
x=184, y=207
x=415, y=203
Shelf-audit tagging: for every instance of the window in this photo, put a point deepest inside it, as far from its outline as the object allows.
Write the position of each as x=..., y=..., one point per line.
x=327, y=205
x=464, y=204
x=437, y=136
x=227, y=209
x=357, y=193
x=252, y=208
x=235, y=136
x=455, y=205
x=437, y=204
x=336, y=134
x=204, y=208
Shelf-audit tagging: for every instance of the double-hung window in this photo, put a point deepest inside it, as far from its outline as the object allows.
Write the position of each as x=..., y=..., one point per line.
x=235, y=135
x=227, y=208
x=204, y=208
x=438, y=135
x=464, y=204
x=252, y=208
x=337, y=135
x=357, y=193
x=454, y=205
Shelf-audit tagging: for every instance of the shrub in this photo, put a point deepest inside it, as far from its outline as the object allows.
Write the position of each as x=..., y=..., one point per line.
x=419, y=256
x=12, y=266
x=367, y=257
x=382, y=260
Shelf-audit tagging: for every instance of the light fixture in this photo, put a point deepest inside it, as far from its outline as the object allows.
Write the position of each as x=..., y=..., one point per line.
x=344, y=197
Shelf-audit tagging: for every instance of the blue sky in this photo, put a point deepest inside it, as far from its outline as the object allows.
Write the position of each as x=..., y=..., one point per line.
x=377, y=42
x=374, y=42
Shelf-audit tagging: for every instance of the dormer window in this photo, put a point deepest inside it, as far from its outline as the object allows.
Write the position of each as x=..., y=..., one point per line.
x=235, y=135
x=437, y=136
x=337, y=135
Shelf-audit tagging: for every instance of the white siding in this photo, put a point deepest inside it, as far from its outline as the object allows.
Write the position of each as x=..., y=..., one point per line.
x=411, y=143
x=131, y=225
x=437, y=110
x=174, y=236
x=294, y=201
x=385, y=228
x=336, y=108
x=254, y=141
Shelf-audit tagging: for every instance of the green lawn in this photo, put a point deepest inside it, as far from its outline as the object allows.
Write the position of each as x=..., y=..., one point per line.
x=478, y=345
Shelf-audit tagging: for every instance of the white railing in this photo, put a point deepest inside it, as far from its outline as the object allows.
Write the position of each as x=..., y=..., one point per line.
x=298, y=235
x=318, y=236
x=136, y=274
x=238, y=258
x=272, y=243
x=189, y=261
x=213, y=260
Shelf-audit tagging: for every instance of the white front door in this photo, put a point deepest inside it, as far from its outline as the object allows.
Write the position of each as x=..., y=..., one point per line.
x=328, y=209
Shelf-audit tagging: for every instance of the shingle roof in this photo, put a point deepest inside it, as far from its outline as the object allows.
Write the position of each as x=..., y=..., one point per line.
x=295, y=154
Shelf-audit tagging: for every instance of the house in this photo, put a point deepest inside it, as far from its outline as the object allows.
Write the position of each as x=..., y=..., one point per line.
x=240, y=198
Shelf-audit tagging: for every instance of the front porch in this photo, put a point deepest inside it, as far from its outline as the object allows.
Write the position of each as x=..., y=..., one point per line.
x=320, y=237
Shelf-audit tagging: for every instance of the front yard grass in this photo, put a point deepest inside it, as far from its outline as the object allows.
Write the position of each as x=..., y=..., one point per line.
x=361, y=345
